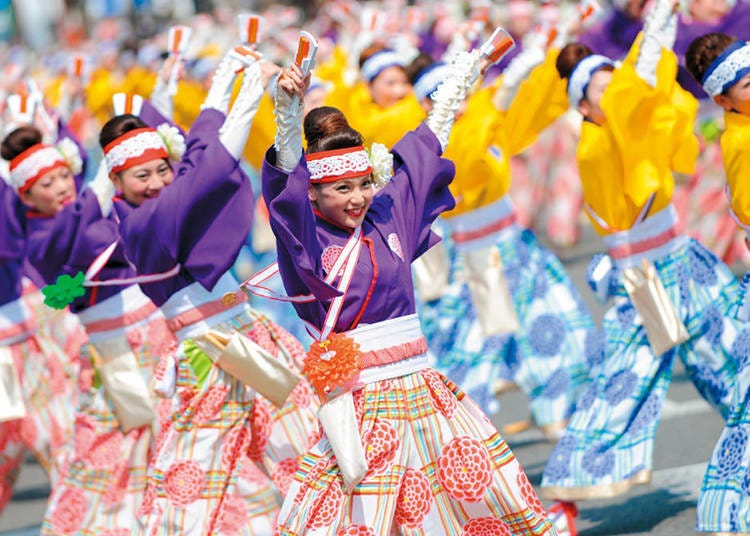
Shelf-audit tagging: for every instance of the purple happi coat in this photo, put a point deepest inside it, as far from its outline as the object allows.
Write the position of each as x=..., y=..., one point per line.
x=12, y=244
x=200, y=221
x=396, y=231
x=612, y=36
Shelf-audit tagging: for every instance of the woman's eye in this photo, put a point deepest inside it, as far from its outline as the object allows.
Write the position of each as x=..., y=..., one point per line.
x=342, y=189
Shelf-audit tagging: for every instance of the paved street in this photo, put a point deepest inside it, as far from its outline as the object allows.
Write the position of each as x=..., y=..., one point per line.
x=687, y=434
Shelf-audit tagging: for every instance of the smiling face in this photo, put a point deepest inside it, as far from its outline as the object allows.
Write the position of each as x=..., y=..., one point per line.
x=143, y=181
x=51, y=193
x=344, y=202
x=389, y=86
x=737, y=97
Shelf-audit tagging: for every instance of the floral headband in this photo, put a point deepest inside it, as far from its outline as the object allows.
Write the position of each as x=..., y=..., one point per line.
x=38, y=160
x=142, y=145
x=727, y=69
x=331, y=166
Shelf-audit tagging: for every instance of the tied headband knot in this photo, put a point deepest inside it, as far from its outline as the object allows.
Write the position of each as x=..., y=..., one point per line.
x=330, y=166
x=727, y=69
x=580, y=78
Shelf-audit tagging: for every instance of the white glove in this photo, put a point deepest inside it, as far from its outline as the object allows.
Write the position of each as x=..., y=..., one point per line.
x=162, y=99
x=220, y=92
x=103, y=188
x=288, y=144
x=451, y=93
x=516, y=72
x=236, y=127
x=657, y=32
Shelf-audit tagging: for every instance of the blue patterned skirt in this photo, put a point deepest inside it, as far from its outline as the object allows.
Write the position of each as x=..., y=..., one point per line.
x=548, y=358
x=608, y=445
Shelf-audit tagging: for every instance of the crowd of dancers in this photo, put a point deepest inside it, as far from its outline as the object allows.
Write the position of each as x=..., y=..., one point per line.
x=345, y=389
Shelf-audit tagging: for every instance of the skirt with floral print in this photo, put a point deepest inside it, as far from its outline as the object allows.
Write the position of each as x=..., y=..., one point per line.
x=608, y=445
x=436, y=466
x=226, y=452
x=106, y=480
x=49, y=394
x=548, y=358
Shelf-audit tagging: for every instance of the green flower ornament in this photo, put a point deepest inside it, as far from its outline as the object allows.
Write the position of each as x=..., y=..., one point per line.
x=64, y=291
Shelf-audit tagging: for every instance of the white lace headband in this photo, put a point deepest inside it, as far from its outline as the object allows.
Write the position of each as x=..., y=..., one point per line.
x=428, y=82
x=581, y=76
x=38, y=160
x=134, y=147
x=329, y=166
x=378, y=62
x=727, y=69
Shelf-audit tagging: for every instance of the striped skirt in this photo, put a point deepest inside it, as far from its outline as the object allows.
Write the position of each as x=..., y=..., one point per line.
x=212, y=463
x=436, y=466
x=548, y=358
x=105, y=484
x=608, y=445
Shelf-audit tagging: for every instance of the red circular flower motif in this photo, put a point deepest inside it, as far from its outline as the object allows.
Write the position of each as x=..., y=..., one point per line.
x=186, y=398
x=313, y=475
x=234, y=444
x=381, y=445
x=210, y=405
x=329, y=256
x=149, y=496
x=327, y=506
x=486, y=526
x=442, y=398
x=528, y=494
x=356, y=530
x=314, y=436
x=283, y=474
x=183, y=482
x=359, y=405
x=261, y=429
x=106, y=450
x=414, y=499
x=301, y=395
x=258, y=332
x=464, y=469
x=232, y=514
x=69, y=511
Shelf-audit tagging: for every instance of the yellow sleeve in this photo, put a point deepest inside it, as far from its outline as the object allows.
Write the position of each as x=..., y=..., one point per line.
x=642, y=120
x=386, y=125
x=187, y=103
x=99, y=93
x=332, y=70
x=539, y=101
x=735, y=150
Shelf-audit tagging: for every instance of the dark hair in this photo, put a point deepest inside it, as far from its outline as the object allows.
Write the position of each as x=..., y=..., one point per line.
x=327, y=129
x=369, y=52
x=19, y=140
x=417, y=66
x=117, y=126
x=703, y=51
x=569, y=56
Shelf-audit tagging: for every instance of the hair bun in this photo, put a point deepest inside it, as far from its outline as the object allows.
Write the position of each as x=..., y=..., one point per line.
x=19, y=140
x=326, y=129
x=569, y=56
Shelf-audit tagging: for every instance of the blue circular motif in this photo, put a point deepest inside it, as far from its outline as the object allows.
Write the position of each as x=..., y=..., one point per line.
x=558, y=465
x=620, y=386
x=713, y=325
x=625, y=315
x=647, y=414
x=702, y=267
x=594, y=346
x=745, y=484
x=546, y=335
x=683, y=281
x=597, y=462
x=557, y=384
x=587, y=399
x=731, y=452
x=711, y=387
x=541, y=285
x=740, y=349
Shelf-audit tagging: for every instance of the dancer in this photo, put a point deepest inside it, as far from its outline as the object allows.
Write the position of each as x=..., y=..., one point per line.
x=202, y=478
x=404, y=450
x=668, y=292
x=722, y=65
x=510, y=314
